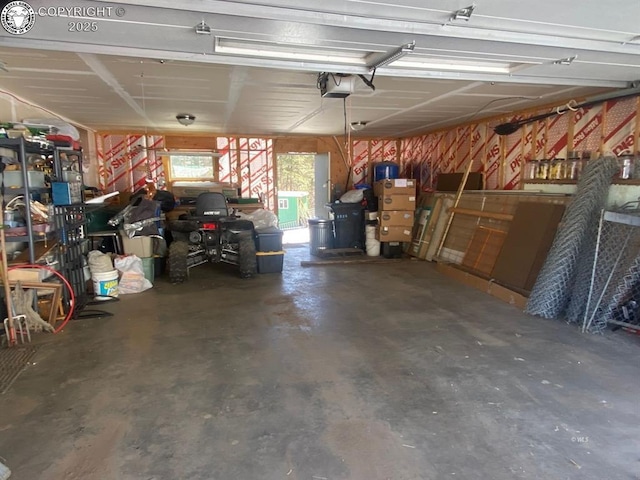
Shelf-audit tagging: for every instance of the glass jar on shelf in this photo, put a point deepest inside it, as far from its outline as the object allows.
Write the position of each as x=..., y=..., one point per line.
x=557, y=169
x=543, y=169
x=531, y=169
x=626, y=163
x=574, y=168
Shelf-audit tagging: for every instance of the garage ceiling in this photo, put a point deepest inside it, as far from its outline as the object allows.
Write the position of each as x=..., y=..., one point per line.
x=256, y=72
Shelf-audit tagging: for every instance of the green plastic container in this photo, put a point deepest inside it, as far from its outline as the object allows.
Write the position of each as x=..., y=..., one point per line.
x=97, y=219
x=148, y=266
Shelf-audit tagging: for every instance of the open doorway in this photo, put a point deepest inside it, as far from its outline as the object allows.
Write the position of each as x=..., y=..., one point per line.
x=302, y=181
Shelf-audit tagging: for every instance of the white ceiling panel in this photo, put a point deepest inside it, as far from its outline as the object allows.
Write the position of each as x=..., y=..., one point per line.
x=141, y=68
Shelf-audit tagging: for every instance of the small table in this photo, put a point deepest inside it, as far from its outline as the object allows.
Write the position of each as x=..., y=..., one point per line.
x=113, y=234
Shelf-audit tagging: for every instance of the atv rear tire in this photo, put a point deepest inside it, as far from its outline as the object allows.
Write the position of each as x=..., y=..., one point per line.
x=178, y=253
x=247, y=255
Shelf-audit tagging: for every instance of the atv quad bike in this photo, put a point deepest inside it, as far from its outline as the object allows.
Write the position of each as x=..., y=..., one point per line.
x=210, y=234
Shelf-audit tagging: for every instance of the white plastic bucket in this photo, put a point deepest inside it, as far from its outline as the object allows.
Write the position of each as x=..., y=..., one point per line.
x=372, y=244
x=105, y=284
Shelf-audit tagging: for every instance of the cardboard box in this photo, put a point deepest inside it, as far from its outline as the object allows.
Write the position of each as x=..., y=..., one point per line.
x=450, y=182
x=30, y=275
x=404, y=186
x=139, y=246
x=396, y=202
x=396, y=218
x=393, y=234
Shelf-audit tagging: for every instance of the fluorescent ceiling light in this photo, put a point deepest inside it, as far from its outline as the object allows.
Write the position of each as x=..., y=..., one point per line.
x=459, y=66
x=376, y=61
x=287, y=52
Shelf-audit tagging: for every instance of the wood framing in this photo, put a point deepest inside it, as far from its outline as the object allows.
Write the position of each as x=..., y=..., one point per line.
x=54, y=288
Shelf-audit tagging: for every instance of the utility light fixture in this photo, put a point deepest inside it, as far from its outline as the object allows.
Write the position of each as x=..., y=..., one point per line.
x=565, y=61
x=464, y=13
x=391, y=56
x=203, y=29
x=275, y=51
x=358, y=126
x=453, y=65
x=185, y=119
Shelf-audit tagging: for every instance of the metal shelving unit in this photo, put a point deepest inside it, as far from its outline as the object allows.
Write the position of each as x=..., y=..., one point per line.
x=23, y=148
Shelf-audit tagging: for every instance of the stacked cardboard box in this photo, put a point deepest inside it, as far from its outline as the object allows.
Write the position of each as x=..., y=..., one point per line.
x=396, y=209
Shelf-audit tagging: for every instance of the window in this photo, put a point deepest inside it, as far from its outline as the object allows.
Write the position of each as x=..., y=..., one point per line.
x=283, y=204
x=192, y=167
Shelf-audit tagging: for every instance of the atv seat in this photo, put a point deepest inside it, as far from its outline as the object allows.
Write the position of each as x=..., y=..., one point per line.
x=211, y=204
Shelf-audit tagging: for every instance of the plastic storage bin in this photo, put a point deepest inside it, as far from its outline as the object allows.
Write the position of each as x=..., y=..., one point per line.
x=270, y=262
x=148, y=266
x=391, y=249
x=15, y=179
x=269, y=240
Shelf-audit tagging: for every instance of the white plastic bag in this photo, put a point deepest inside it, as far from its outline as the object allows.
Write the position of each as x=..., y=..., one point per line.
x=99, y=262
x=261, y=218
x=352, y=196
x=132, y=278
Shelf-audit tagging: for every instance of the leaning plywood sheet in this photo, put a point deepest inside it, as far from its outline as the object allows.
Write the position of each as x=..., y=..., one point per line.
x=526, y=246
x=484, y=248
x=424, y=208
x=437, y=226
x=485, y=210
x=506, y=295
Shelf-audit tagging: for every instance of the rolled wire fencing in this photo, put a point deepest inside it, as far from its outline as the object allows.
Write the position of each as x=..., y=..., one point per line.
x=556, y=283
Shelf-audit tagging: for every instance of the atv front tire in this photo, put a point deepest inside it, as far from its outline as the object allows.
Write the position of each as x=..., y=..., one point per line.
x=178, y=253
x=247, y=255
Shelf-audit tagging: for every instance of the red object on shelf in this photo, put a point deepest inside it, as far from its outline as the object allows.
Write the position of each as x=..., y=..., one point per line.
x=64, y=141
x=16, y=231
x=60, y=140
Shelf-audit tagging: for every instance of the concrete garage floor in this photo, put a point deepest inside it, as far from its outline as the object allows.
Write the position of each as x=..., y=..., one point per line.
x=344, y=372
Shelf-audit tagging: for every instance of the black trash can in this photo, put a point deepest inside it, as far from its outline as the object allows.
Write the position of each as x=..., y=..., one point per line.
x=370, y=200
x=348, y=225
